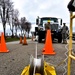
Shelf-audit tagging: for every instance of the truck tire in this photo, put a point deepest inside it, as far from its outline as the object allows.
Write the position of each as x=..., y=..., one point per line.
x=59, y=39
x=39, y=39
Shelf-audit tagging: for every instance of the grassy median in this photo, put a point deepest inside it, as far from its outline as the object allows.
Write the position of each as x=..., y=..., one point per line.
x=12, y=39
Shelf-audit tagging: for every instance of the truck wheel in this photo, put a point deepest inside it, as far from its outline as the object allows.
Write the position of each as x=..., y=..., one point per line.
x=39, y=40
x=52, y=40
x=59, y=40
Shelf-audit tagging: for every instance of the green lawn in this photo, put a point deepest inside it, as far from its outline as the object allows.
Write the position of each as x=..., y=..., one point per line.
x=12, y=39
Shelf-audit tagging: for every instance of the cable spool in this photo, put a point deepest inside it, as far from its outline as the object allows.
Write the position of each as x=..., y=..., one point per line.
x=36, y=66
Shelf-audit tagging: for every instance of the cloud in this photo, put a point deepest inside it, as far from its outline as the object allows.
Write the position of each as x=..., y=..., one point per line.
x=1, y=27
x=33, y=8
x=45, y=8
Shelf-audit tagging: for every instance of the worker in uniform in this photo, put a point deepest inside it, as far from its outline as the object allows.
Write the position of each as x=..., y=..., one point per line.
x=47, y=25
x=64, y=33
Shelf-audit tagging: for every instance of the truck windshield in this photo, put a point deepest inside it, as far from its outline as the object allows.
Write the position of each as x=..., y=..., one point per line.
x=45, y=20
x=53, y=21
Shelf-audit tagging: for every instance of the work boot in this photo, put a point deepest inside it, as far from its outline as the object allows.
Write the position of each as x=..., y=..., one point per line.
x=64, y=42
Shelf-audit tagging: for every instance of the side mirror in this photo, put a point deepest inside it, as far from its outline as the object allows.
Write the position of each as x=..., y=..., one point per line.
x=36, y=29
x=37, y=21
x=61, y=22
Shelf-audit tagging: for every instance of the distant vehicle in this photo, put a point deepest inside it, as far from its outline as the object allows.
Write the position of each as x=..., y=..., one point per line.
x=55, y=28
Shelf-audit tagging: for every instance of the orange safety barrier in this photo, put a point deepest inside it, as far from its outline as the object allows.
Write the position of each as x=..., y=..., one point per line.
x=48, y=48
x=3, y=47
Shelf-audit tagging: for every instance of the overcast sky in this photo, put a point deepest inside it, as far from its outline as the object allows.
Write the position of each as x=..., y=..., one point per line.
x=33, y=8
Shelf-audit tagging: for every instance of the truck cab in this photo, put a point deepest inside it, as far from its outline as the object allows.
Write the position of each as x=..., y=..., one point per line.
x=55, y=28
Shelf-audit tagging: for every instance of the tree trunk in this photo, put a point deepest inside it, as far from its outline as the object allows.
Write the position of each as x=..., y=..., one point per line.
x=4, y=20
x=25, y=33
x=16, y=32
x=28, y=34
x=21, y=33
x=12, y=34
x=4, y=27
x=12, y=29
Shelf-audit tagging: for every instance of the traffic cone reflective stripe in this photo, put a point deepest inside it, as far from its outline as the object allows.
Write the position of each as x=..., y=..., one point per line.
x=3, y=44
x=25, y=42
x=48, y=48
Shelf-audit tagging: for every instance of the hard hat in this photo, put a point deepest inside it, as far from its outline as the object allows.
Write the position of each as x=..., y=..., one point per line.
x=48, y=20
x=64, y=23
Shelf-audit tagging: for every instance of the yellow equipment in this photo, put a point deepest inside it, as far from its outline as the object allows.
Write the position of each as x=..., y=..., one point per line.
x=38, y=66
x=48, y=70
x=70, y=56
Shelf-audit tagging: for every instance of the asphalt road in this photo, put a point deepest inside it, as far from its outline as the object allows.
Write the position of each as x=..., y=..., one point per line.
x=13, y=63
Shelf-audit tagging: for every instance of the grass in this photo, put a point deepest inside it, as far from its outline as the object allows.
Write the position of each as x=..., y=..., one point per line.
x=9, y=39
x=12, y=39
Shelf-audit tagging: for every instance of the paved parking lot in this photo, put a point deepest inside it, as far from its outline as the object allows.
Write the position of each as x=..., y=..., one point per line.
x=13, y=63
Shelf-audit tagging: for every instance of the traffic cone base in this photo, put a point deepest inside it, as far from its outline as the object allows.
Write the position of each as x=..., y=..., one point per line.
x=25, y=44
x=51, y=52
x=4, y=51
x=48, y=53
x=20, y=42
x=48, y=48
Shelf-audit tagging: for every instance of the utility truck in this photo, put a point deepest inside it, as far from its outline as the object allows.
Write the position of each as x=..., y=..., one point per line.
x=55, y=28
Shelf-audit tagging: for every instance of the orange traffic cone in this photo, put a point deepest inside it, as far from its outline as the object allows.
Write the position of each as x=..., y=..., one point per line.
x=20, y=39
x=3, y=44
x=0, y=43
x=25, y=42
x=0, y=39
x=48, y=48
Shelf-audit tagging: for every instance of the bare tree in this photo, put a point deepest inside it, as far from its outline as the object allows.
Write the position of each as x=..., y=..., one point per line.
x=25, y=26
x=12, y=22
x=5, y=7
x=22, y=25
x=16, y=20
x=28, y=27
